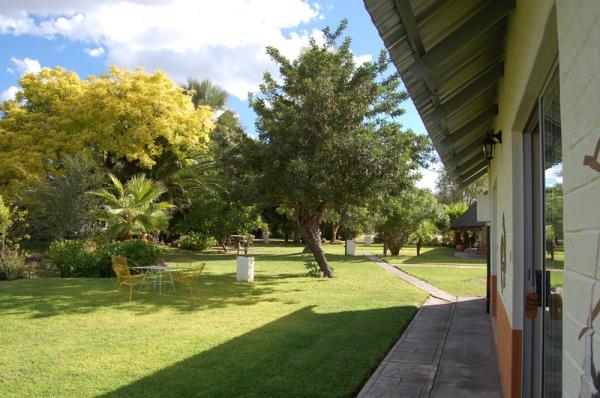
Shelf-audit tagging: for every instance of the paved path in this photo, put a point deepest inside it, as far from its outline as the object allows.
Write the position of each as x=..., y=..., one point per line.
x=446, y=351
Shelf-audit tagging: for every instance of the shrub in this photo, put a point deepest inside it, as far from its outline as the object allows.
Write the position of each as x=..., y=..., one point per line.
x=12, y=265
x=195, y=241
x=71, y=258
x=314, y=271
x=77, y=258
x=141, y=253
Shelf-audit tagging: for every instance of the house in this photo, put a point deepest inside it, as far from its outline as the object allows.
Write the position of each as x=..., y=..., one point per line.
x=469, y=234
x=511, y=89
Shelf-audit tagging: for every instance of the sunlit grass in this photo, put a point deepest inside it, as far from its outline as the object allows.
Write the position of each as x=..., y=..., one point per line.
x=283, y=335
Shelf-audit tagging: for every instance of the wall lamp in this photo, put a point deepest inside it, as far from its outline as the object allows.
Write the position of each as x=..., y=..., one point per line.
x=489, y=143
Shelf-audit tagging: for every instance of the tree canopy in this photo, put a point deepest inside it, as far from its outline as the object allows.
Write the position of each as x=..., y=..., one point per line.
x=123, y=120
x=328, y=135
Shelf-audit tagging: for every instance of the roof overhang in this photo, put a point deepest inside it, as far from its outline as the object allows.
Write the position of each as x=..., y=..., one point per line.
x=450, y=54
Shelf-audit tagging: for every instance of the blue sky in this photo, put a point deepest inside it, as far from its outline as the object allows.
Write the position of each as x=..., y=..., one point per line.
x=223, y=41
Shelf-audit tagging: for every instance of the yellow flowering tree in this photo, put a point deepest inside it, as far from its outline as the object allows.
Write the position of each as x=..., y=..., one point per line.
x=124, y=120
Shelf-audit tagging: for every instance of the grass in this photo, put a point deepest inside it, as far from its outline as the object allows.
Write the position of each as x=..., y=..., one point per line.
x=559, y=260
x=439, y=267
x=283, y=335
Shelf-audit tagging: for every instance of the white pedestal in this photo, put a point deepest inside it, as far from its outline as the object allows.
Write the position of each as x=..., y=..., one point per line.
x=245, y=269
x=368, y=239
x=265, y=237
x=350, y=247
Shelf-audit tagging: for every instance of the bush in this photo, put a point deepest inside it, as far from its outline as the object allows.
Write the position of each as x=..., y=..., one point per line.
x=141, y=253
x=77, y=258
x=194, y=241
x=314, y=271
x=12, y=265
x=71, y=258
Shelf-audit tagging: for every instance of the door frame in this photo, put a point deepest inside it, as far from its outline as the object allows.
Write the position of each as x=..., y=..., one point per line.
x=533, y=225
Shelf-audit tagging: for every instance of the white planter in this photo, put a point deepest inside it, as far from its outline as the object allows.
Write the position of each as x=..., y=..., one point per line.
x=245, y=269
x=368, y=239
x=265, y=237
x=350, y=247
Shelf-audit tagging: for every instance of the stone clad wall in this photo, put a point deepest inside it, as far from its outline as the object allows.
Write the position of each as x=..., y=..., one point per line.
x=579, y=55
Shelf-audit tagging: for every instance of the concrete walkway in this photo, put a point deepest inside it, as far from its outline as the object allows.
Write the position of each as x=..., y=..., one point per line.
x=446, y=351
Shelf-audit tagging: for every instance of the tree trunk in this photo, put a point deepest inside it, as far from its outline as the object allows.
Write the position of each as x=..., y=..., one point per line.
x=312, y=237
x=222, y=243
x=335, y=226
x=297, y=234
x=419, y=243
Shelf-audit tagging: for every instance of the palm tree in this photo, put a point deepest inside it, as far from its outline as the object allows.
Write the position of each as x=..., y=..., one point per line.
x=134, y=210
x=206, y=93
x=183, y=182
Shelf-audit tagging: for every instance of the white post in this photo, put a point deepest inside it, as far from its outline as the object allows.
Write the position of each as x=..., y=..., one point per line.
x=350, y=247
x=245, y=269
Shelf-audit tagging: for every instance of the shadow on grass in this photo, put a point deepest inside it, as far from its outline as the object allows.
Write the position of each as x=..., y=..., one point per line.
x=40, y=298
x=47, y=297
x=304, y=354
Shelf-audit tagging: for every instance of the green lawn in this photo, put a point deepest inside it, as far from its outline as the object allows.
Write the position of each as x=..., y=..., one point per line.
x=559, y=260
x=457, y=281
x=438, y=266
x=285, y=335
x=429, y=255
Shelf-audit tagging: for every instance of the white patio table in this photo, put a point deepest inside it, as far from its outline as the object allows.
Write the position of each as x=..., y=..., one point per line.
x=155, y=272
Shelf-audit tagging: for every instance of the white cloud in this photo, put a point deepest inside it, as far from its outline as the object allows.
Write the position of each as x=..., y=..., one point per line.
x=94, y=52
x=221, y=40
x=428, y=179
x=553, y=175
x=25, y=65
x=361, y=59
x=8, y=94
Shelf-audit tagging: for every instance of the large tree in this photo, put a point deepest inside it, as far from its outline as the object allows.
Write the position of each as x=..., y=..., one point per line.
x=124, y=120
x=328, y=137
x=447, y=191
x=403, y=215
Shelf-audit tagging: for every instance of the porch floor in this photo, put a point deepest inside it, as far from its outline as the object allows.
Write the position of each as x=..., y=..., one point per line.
x=446, y=351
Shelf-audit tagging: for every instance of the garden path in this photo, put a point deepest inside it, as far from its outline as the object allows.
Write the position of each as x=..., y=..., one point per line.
x=446, y=351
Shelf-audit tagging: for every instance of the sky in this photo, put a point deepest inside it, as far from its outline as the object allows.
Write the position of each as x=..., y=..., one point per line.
x=223, y=41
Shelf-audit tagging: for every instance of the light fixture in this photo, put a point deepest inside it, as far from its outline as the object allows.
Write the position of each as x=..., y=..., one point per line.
x=489, y=143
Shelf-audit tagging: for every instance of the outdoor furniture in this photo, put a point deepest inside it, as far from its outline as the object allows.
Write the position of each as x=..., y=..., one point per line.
x=124, y=275
x=188, y=277
x=240, y=241
x=153, y=274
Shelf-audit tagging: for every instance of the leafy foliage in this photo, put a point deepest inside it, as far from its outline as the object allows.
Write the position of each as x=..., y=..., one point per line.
x=196, y=241
x=59, y=208
x=79, y=258
x=135, y=209
x=313, y=269
x=123, y=120
x=206, y=93
x=327, y=135
x=71, y=258
x=403, y=215
x=211, y=215
x=11, y=232
x=448, y=192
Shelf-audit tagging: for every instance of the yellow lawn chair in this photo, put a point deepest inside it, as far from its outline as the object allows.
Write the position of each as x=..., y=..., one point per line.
x=124, y=275
x=189, y=277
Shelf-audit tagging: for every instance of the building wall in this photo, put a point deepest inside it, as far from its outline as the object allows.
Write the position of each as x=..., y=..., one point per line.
x=528, y=59
x=579, y=53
